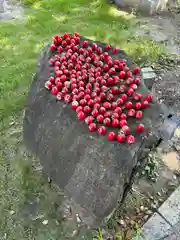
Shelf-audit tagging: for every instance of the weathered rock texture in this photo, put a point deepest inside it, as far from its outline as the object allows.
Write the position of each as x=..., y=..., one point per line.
x=93, y=172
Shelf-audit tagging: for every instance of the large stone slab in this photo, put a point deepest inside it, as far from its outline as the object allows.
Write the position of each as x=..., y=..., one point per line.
x=93, y=172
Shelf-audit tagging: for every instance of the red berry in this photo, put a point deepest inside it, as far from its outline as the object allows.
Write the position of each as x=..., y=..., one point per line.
x=74, y=105
x=91, y=103
x=137, y=81
x=52, y=47
x=123, y=123
x=114, y=50
x=130, y=139
x=129, y=81
x=92, y=127
x=122, y=75
x=51, y=79
x=140, y=128
x=107, y=114
x=120, y=102
x=112, y=71
x=64, y=44
x=94, y=46
x=136, y=70
x=111, y=136
x=118, y=110
x=130, y=91
x=82, y=102
x=81, y=115
x=48, y=85
x=134, y=86
x=121, y=66
x=94, y=112
x=121, y=138
x=137, y=105
x=97, y=105
x=107, y=105
x=67, y=98
x=79, y=109
x=107, y=48
x=115, y=122
x=110, y=97
x=128, y=105
x=107, y=121
x=77, y=40
x=60, y=49
x=63, y=78
x=137, y=96
x=65, y=90
x=89, y=120
x=149, y=98
x=116, y=62
x=85, y=44
x=116, y=79
x=115, y=115
x=102, y=110
x=100, y=118
x=65, y=35
x=145, y=104
x=123, y=116
x=124, y=97
x=139, y=114
x=114, y=105
x=122, y=88
x=110, y=81
x=54, y=90
x=128, y=74
x=87, y=109
x=76, y=34
x=101, y=130
x=125, y=129
x=59, y=96
x=131, y=113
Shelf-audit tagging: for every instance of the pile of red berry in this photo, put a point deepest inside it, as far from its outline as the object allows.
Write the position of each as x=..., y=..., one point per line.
x=102, y=90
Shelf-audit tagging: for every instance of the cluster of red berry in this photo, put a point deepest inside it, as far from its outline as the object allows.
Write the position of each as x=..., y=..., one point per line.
x=102, y=90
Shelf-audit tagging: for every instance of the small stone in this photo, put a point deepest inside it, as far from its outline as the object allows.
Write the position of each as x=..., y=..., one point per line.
x=137, y=210
x=132, y=223
x=158, y=193
x=153, y=206
x=149, y=212
x=11, y=123
x=151, y=197
x=45, y=222
x=122, y=222
x=142, y=208
x=78, y=219
x=146, y=217
x=12, y=212
x=174, y=177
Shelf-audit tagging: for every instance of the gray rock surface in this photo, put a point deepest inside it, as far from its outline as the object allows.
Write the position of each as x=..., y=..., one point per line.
x=93, y=172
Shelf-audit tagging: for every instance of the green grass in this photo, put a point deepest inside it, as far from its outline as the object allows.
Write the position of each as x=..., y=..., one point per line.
x=24, y=194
